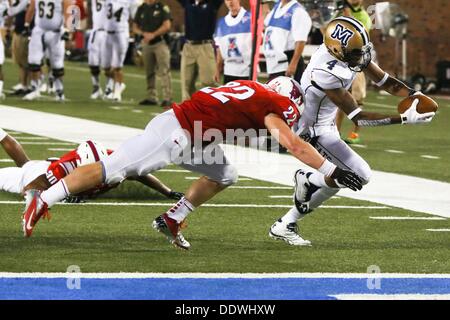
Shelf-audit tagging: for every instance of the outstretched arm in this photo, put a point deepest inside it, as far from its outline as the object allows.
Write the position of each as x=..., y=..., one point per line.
x=386, y=82
x=14, y=150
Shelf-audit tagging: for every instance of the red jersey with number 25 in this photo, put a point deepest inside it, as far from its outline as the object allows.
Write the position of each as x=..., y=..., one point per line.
x=241, y=104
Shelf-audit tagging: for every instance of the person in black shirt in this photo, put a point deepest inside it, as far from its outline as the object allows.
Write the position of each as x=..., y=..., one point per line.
x=197, y=56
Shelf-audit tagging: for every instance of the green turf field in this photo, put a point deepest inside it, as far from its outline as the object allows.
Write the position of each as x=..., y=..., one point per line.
x=112, y=238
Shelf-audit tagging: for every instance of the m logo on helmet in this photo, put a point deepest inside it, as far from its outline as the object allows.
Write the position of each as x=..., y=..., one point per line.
x=342, y=34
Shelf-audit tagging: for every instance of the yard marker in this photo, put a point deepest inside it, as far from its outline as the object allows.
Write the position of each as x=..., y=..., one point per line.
x=394, y=151
x=213, y=205
x=426, y=156
x=407, y=218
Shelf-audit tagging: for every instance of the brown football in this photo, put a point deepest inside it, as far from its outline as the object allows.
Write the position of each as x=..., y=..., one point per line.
x=426, y=104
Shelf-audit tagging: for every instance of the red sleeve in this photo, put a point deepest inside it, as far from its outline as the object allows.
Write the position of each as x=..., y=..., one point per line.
x=285, y=108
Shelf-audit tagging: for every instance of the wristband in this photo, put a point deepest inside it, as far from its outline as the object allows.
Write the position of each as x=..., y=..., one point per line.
x=353, y=114
x=327, y=168
x=382, y=81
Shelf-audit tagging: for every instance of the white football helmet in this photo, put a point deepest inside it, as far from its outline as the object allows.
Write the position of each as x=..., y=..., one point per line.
x=90, y=152
x=290, y=88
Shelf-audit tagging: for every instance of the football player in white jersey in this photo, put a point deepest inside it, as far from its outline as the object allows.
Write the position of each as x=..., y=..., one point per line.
x=118, y=16
x=325, y=83
x=96, y=46
x=49, y=33
x=13, y=148
x=4, y=5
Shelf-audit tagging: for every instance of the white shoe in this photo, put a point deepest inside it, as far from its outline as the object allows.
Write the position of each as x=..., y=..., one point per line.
x=97, y=94
x=108, y=94
x=43, y=88
x=2, y=96
x=117, y=96
x=303, y=191
x=60, y=97
x=35, y=94
x=288, y=233
x=18, y=87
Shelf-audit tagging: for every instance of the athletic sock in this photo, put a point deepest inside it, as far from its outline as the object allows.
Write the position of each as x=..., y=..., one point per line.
x=35, y=84
x=292, y=216
x=109, y=84
x=95, y=81
x=180, y=211
x=59, y=86
x=56, y=193
x=317, y=179
x=1, y=86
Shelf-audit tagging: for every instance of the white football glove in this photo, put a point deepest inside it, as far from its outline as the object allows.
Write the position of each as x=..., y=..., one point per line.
x=411, y=116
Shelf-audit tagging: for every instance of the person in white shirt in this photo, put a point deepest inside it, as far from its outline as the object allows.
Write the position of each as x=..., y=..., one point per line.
x=287, y=28
x=233, y=39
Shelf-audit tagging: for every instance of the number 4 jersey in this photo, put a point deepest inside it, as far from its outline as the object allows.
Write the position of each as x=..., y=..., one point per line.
x=241, y=104
x=324, y=72
x=49, y=14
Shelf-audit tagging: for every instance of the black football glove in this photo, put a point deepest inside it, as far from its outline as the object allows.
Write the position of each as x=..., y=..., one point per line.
x=74, y=199
x=26, y=32
x=65, y=36
x=347, y=178
x=175, y=195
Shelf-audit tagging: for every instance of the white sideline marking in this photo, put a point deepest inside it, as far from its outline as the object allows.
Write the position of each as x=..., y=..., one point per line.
x=49, y=143
x=174, y=170
x=137, y=111
x=138, y=275
x=260, y=187
x=419, y=194
x=407, y=218
x=426, y=156
x=362, y=146
x=214, y=205
x=439, y=230
x=240, y=179
x=31, y=138
x=402, y=296
x=6, y=160
x=394, y=151
x=59, y=149
x=380, y=105
x=290, y=197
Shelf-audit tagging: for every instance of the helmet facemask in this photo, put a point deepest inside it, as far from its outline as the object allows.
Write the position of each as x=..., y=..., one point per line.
x=358, y=59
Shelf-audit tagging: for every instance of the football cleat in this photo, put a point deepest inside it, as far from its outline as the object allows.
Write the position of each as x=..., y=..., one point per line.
x=35, y=94
x=303, y=191
x=353, y=138
x=97, y=93
x=35, y=208
x=171, y=229
x=288, y=233
x=59, y=95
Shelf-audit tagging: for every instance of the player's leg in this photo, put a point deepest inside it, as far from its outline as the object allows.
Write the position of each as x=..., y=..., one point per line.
x=94, y=52
x=106, y=65
x=35, y=56
x=2, y=60
x=216, y=177
x=162, y=141
x=119, y=54
x=56, y=55
x=311, y=189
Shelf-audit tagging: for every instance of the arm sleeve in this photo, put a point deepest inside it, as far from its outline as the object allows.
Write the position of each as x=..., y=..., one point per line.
x=3, y=134
x=167, y=15
x=326, y=80
x=301, y=25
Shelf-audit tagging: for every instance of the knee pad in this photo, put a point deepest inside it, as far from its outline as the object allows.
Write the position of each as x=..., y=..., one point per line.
x=95, y=70
x=34, y=67
x=228, y=177
x=58, y=73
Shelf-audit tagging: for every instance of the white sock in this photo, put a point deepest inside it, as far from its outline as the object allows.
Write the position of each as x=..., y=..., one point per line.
x=35, y=84
x=1, y=86
x=292, y=216
x=59, y=86
x=56, y=193
x=95, y=80
x=317, y=179
x=180, y=211
x=117, y=88
x=321, y=195
x=110, y=84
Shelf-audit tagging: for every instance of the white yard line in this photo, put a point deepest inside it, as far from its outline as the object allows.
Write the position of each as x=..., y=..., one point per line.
x=240, y=178
x=59, y=149
x=138, y=275
x=261, y=187
x=213, y=205
x=31, y=138
x=48, y=143
x=407, y=192
x=290, y=197
x=407, y=218
x=174, y=170
x=439, y=230
x=426, y=156
x=6, y=160
x=394, y=151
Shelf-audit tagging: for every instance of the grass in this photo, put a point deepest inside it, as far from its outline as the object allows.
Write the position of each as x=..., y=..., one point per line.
x=113, y=238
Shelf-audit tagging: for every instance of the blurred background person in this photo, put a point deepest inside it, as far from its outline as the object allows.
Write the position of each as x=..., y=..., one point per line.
x=233, y=39
x=287, y=28
x=197, y=56
x=152, y=22
x=17, y=11
x=355, y=9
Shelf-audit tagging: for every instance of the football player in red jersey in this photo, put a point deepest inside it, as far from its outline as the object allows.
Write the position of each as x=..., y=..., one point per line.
x=169, y=136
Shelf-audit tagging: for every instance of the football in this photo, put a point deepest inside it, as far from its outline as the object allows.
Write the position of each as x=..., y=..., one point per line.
x=426, y=104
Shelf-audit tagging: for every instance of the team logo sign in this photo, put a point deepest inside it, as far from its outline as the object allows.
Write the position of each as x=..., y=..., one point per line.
x=267, y=43
x=342, y=34
x=233, y=50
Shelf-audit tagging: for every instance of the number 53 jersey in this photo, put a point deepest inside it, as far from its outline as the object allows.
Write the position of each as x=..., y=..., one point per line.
x=324, y=72
x=241, y=104
x=49, y=14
